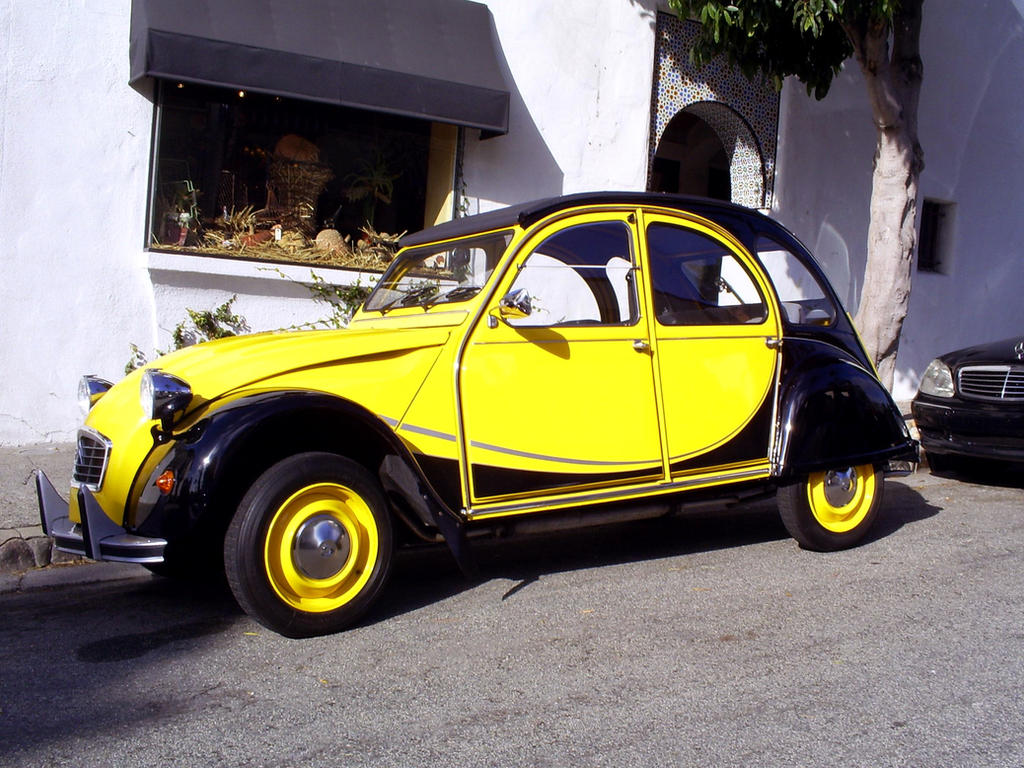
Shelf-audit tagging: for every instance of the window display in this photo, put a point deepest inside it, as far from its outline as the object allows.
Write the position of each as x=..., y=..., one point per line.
x=264, y=177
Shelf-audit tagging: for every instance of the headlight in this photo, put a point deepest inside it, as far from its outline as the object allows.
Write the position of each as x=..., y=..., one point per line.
x=90, y=389
x=937, y=380
x=163, y=395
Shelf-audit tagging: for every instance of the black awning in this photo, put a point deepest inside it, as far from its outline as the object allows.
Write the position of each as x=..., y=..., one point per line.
x=433, y=59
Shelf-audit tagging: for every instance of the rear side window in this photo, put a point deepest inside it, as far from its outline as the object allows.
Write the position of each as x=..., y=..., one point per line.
x=699, y=281
x=804, y=300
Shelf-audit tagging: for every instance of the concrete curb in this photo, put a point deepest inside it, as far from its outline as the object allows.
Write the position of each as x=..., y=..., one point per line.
x=77, y=573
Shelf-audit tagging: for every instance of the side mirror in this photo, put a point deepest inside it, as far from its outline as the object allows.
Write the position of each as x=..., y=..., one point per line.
x=515, y=305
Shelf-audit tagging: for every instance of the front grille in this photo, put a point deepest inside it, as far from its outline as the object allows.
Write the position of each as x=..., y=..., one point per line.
x=91, y=459
x=992, y=382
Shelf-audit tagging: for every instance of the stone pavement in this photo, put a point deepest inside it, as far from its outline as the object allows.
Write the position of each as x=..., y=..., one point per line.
x=22, y=543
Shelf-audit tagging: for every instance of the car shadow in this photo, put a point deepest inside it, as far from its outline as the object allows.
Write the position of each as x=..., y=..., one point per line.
x=180, y=611
x=902, y=506
x=981, y=472
x=429, y=575
x=157, y=612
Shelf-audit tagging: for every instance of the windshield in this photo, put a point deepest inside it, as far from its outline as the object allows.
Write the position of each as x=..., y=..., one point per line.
x=438, y=274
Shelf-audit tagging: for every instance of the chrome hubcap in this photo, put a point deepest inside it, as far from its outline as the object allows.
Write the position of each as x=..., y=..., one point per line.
x=321, y=547
x=840, y=486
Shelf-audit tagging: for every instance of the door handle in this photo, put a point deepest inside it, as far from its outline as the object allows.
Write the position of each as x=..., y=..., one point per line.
x=772, y=343
x=640, y=345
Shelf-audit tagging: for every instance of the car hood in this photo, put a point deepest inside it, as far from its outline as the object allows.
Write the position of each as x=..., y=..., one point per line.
x=1003, y=352
x=220, y=366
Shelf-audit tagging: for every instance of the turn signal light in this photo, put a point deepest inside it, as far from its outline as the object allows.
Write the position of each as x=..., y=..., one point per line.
x=165, y=483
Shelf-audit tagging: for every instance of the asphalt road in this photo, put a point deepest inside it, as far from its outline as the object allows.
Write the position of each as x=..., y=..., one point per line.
x=703, y=641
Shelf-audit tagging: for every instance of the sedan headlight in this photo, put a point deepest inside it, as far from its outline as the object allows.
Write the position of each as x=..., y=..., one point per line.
x=90, y=389
x=937, y=380
x=163, y=395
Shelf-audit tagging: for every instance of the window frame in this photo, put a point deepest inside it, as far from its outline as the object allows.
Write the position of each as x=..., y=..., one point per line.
x=726, y=251
x=632, y=298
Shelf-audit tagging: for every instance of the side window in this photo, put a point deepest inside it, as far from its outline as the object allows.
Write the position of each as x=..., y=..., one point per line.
x=582, y=275
x=699, y=281
x=803, y=299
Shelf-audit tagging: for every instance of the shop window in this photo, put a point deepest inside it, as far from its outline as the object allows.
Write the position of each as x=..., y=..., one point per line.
x=934, y=242
x=257, y=176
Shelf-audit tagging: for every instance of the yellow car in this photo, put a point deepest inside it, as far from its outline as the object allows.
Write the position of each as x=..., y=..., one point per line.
x=565, y=362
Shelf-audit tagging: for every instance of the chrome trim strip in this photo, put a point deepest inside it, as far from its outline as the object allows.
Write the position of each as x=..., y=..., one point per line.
x=427, y=432
x=773, y=430
x=544, y=457
x=896, y=468
x=637, y=491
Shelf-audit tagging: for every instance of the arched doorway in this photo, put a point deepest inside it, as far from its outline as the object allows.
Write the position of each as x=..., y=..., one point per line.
x=691, y=159
x=691, y=104
x=707, y=149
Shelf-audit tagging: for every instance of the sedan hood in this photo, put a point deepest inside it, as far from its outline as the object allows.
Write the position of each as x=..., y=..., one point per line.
x=1005, y=352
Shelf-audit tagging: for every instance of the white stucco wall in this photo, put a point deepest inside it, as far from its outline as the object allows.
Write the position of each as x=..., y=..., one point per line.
x=581, y=101
x=971, y=110
x=78, y=286
x=75, y=149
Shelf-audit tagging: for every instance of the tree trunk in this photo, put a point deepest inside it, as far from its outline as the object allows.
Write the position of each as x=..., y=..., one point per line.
x=894, y=85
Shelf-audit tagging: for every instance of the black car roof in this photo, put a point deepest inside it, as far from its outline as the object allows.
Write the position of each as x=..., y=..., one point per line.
x=527, y=213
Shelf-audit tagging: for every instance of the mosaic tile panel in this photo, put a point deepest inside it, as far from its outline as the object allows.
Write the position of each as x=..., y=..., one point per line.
x=745, y=115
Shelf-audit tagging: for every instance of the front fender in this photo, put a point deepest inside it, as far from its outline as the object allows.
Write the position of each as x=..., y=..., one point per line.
x=235, y=440
x=834, y=412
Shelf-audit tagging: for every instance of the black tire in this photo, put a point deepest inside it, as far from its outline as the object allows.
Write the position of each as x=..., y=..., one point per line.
x=832, y=510
x=309, y=548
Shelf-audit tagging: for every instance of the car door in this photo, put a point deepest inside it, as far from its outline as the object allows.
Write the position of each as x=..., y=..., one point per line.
x=716, y=334
x=561, y=401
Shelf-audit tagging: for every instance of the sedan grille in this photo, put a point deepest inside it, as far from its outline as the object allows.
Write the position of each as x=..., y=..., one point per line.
x=91, y=459
x=992, y=382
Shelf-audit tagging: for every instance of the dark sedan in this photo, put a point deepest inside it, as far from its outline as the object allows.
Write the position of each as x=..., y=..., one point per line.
x=971, y=404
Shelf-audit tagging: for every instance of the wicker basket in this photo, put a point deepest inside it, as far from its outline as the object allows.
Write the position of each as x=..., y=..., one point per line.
x=295, y=187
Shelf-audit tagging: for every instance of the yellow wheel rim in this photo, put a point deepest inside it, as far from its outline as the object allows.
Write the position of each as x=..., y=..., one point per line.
x=320, y=547
x=841, y=499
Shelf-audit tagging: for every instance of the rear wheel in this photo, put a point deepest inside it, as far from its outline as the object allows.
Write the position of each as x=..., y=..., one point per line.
x=310, y=546
x=834, y=509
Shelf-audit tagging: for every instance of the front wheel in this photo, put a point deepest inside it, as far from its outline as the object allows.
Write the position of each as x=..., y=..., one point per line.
x=834, y=509
x=310, y=546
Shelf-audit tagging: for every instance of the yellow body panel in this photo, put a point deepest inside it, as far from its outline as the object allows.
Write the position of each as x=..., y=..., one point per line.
x=430, y=426
x=562, y=400
x=119, y=418
x=586, y=411
x=713, y=378
x=558, y=400
x=380, y=370
x=713, y=387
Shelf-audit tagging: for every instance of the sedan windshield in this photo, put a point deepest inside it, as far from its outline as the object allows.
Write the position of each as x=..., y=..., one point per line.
x=438, y=274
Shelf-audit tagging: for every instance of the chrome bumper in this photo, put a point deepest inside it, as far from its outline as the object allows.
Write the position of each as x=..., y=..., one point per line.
x=97, y=536
x=900, y=468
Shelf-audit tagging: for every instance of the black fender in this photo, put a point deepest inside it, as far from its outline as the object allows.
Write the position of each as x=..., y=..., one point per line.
x=834, y=412
x=235, y=439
